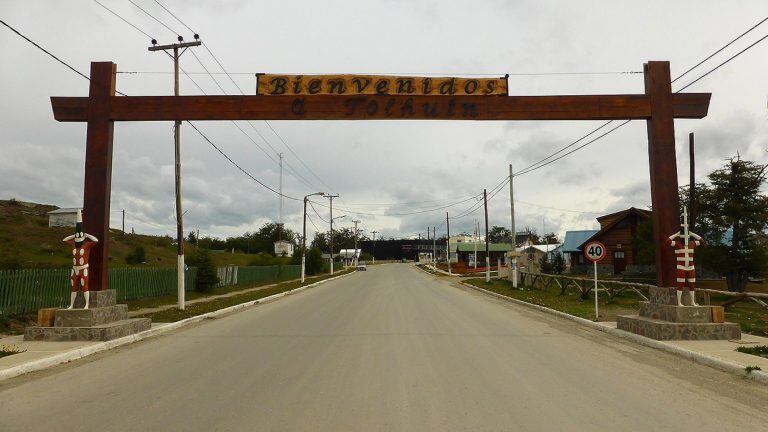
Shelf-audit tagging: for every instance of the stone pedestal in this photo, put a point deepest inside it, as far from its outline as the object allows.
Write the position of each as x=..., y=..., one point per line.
x=661, y=318
x=104, y=320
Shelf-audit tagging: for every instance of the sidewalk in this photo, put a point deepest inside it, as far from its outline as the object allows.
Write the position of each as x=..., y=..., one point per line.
x=724, y=350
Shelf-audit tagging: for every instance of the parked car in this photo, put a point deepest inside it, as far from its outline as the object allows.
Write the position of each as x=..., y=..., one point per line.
x=362, y=266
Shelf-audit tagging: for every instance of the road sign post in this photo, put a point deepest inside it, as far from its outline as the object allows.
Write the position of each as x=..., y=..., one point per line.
x=595, y=251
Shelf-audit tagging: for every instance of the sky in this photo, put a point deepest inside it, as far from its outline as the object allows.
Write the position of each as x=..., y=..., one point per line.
x=379, y=168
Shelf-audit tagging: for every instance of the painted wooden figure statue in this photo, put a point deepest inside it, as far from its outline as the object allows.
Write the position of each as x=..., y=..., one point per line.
x=81, y=246
x=684, y=243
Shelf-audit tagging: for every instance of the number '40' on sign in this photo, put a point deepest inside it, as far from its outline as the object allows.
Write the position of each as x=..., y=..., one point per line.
x=594, y=251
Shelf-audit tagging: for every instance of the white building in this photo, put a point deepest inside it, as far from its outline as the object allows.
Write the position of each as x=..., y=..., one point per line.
x=283, y=248
x=63, y=217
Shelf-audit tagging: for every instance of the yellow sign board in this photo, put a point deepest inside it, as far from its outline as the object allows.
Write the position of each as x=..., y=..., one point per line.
x=271, y=84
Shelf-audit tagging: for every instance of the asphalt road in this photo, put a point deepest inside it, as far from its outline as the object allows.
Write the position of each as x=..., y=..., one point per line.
x=389, y=349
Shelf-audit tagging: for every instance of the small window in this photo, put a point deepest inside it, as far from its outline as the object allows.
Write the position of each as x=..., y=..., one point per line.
x=618, y=254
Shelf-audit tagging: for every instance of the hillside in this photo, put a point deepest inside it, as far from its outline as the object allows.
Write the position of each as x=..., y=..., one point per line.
x=26, y=241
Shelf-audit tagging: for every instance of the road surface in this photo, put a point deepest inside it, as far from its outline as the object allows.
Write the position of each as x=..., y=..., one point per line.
x=389, y=349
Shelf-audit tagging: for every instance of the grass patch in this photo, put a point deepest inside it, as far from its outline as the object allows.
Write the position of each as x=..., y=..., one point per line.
x=173, y=315
x=760, y=350
x=751, y=317
x=625, y=303
x=6, y=350
x=749, y=369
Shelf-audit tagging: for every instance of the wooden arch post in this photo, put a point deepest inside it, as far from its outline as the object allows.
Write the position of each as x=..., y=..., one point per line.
x=658, y=106
x=662, y=161
x=98, y=169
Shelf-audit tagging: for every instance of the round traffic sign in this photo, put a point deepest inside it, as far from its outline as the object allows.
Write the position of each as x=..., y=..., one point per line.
x=594, y=251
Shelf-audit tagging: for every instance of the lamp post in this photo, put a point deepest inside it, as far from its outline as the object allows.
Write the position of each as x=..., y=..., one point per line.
x=304, y=236
x=331, y=239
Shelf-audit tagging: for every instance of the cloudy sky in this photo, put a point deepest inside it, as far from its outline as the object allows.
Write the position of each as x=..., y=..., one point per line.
x=382, y=167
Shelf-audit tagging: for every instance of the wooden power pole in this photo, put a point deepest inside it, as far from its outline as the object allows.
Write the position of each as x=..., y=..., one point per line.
x=177, y=158
x=692, y=186
x=487, y=249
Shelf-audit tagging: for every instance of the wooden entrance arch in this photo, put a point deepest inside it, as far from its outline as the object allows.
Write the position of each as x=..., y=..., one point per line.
x=658, y=106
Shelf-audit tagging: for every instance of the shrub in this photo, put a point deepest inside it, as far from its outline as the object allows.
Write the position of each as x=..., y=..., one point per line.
x=138, y=256
x=558, y=263
x=207, y=279
x=265, y=259
x=365, y=256
x=314, y=261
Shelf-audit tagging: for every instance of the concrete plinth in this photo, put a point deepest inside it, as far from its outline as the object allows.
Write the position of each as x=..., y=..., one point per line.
x=665, y=330
x=90, y=317
x=661, y=318
x=678, y=314
x=104, y=320
x=105, y=332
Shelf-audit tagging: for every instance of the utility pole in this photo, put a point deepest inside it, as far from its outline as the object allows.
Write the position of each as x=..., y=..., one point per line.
x=354, y=251
x=448, y=242
x=374, y=246
x=280, y=197
x=304, y=237
x=123, y=221
x=475, y=241
x=514, y=232
x=197, y=238
x=434, y=245
x=330, y=240
x=692, y=185
x=487, y=249
x=177, y=157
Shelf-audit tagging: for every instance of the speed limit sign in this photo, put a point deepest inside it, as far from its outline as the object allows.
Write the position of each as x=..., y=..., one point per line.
x=594, y=251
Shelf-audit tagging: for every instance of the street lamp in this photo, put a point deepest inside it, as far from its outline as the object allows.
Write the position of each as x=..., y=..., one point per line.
x=304, y=236
x=331, y=239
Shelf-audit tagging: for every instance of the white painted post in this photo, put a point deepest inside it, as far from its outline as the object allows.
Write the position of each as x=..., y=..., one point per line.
x=596, y=308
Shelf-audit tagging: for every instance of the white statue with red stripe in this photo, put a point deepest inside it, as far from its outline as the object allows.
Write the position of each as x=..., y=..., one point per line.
x=81, y=249
x=684, y=243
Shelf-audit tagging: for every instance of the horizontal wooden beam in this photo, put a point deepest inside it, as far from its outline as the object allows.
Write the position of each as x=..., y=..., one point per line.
x=379, y=107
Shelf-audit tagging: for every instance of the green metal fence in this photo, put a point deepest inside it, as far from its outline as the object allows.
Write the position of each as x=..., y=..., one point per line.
x=31, y=289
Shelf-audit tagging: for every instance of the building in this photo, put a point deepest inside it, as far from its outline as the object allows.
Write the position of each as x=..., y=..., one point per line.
x=63, y=217
x=283, y=248
x=530, y=255
x=616, y=232
x=348, y=256
x=571, y=250
x=464, y=253
x=403, y=248
x=462, y=238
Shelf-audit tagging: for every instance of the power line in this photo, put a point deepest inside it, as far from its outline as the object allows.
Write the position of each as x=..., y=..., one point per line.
x=546, y=161
x=403, y=73
x=125, y=21
x=36, y=45
x=153, y=17
x=175, y=17
x=400, y=214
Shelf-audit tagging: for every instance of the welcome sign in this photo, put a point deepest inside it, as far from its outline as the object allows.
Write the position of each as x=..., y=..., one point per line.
x=288, y=85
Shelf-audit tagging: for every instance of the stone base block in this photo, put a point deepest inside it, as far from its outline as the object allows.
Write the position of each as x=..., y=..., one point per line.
x=90, y=317
x=678, y=314
x=104, y=332
x=663, y=330
x=668, y=296
x=97, y=299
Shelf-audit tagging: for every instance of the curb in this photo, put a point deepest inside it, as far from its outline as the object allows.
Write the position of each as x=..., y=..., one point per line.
x=696, y=357
x=79, y=353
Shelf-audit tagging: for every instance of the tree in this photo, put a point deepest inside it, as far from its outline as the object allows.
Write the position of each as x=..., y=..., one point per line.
x=314, y=261
x=732, y=217
x=137, y=256
x=558, y=263
x=643, y=246
x=532, y=235
x=206, y=279
x=499, y=234
x=551, y=238
x=192, y=238
x=545, y=266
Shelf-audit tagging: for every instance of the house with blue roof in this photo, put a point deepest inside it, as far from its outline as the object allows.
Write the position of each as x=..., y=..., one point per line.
x=571, y=246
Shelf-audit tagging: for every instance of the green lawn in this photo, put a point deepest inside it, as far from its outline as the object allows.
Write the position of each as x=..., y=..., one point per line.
x=172, y=315
x=751, y=317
